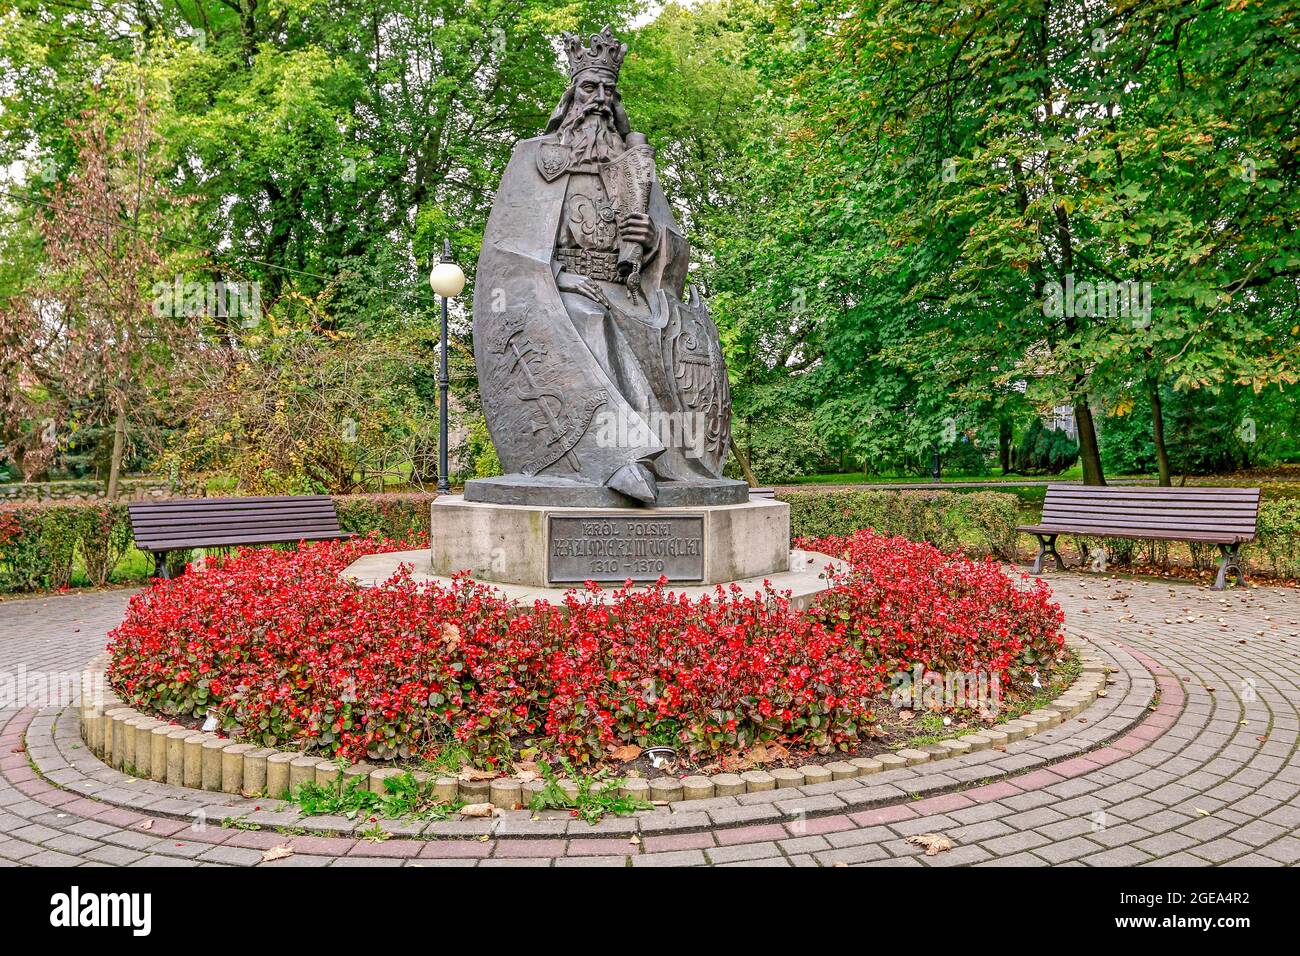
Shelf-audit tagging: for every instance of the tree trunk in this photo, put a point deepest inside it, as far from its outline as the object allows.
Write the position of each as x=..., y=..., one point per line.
x=119, y=445
x=1158, y=431
x=743, y=459
x=1004, y=445
x=1089, y=452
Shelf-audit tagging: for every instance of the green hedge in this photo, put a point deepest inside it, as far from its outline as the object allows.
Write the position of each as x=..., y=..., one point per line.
x=42, y=544
x=984, y=522
x=1277, y=542
x=400, y=516
x=978, y=521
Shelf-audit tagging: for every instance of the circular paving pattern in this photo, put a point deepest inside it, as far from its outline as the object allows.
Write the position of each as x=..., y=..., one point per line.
x=1190, y=759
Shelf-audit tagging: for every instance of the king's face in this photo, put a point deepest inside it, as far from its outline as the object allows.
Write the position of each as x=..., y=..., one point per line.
x=593, y=92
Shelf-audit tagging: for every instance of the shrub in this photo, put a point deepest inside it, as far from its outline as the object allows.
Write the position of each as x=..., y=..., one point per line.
x=1044, y=451
x=25, y=563
x=103, y=535
x=992, y=517
x=285, y=653
x=946, y=519
x=478, y=456
x=39, y=542
x=401, y=516
x=1278, y=537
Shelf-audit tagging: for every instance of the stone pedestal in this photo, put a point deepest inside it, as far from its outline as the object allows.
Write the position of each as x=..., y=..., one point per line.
x=804, y=581
x=535, y=553
x=539, y=546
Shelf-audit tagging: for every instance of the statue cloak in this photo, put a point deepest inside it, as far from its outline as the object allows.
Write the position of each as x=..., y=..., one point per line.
x=544, y=380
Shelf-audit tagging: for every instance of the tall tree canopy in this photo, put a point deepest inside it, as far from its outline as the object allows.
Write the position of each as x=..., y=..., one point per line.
x=921, y=225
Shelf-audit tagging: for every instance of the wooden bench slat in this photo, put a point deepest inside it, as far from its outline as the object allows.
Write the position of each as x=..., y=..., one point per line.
x=1149, y=507
x=1163, y=534
x=228, y=517
x=209, y=502
x=1152, y=491
x=1152, y=508
x=221, y=541
x=1146, y=520
x=232, y=509
x=189, y=532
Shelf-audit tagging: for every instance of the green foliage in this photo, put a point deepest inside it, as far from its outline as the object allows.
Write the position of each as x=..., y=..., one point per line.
x=478, y=454
x=991, y=518
x=594, y=797
x=405, y=795
x=780, y=438
x=401, y=516
x=1127, y=447
x=41, y=544
x=25, y=559
x=1044, y=451
x=103, y=536
x=938, y=167
x=1278, y=537
x=985, y=521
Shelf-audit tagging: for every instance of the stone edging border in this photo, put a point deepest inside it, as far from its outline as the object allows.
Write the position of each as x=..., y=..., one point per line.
x=152, y=749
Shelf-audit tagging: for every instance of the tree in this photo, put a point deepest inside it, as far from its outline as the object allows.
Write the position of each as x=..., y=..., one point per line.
x=83, y=339
x=1001, y=183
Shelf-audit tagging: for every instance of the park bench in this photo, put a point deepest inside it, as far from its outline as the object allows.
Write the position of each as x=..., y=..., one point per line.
x=1221, y=516
x=183, y=523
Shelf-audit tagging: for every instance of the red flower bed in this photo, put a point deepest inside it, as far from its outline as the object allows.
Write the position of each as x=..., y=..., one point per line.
x=288, y=655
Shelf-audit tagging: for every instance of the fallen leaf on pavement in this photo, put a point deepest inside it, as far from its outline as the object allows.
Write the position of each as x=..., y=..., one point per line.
x=477, y=810
x=934, y=843
x=277, y=853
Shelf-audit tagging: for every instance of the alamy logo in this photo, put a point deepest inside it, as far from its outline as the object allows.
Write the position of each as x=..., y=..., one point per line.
x=1128, y=300
x=211, y=300
x=75, y=909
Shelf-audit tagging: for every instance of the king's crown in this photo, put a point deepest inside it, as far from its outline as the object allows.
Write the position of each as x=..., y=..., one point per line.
x=604, y=52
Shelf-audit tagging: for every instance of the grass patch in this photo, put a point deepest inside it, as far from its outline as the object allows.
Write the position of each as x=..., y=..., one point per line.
x=928, y=728
x=596, y=796
x=405, y=795
x=448, y=761
x=1063, y=676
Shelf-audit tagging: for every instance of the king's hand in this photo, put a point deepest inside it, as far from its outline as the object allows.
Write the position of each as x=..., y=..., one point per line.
x=572, y=282
x=638, y=228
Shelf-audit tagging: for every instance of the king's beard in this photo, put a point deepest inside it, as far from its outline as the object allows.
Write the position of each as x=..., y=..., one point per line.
x=591, y=135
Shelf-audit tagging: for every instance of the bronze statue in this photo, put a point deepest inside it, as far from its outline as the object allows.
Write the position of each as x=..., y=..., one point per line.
x=600, y=383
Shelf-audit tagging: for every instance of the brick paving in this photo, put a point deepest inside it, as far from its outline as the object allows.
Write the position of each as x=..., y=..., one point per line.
x=1208, y=775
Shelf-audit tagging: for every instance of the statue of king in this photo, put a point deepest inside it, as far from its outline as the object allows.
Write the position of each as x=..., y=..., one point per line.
x=602, y=376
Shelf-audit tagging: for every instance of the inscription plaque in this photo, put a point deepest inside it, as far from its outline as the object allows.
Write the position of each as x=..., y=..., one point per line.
x=614, y=548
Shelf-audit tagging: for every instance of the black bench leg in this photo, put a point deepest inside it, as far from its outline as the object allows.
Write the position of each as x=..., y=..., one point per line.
x=1229, y=562
x=160, y=565
x=1046, y=546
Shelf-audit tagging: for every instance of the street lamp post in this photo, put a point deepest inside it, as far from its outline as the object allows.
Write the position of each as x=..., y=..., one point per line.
x=447, y=280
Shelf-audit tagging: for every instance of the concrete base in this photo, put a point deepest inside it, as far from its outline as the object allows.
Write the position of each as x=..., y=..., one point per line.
x=805, y=578
x=510, y=544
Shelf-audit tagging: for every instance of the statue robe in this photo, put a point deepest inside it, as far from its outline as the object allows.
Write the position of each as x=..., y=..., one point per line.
x=556, y=369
